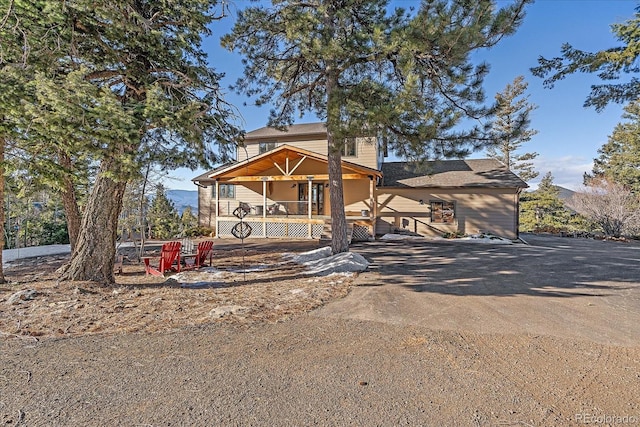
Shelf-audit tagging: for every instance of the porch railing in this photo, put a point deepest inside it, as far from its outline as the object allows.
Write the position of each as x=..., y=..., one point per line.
x=286, y=218
x=279, y=208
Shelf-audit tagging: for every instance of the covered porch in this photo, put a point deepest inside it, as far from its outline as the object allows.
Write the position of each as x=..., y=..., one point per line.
x=285, y=193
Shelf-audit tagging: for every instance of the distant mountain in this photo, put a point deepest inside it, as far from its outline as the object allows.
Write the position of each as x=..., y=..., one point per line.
x=565, y=194
x=183, y=198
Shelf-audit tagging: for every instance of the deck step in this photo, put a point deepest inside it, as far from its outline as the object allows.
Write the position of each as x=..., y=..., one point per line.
x=327, y=234
x=326, y=231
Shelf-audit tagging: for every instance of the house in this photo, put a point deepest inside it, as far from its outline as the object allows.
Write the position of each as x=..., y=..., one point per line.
x=281, y=179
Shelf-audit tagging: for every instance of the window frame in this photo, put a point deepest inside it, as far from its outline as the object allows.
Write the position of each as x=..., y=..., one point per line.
x=266, y=146
x=224, y=194
x=347, y=143
x=442, y=218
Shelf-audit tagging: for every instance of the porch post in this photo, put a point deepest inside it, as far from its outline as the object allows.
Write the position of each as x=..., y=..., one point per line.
x=264, y=206
x=309, y=205
x=374, y=204
x=217, y=208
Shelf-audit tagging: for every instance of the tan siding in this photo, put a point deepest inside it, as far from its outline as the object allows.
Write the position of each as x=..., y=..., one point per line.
x=367, y=153
x=366, y=149
x=252, y=148
x=317, y=145
x=246, y=152
x=206, y=216
x=251, y=195
x=489, y=210
x=356, y=196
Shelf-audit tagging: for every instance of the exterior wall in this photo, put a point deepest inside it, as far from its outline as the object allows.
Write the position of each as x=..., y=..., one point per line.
x=491, y=210
x=356, y=193
x=253, y=147
x=367, y=153
x=366, y=149
x=476, y=209
x=206, y=210
x=356, y=196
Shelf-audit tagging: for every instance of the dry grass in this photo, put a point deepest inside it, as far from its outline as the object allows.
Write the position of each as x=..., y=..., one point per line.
x=271, y=290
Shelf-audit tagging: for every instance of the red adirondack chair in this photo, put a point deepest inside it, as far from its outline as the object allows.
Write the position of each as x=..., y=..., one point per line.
x=169, y=255
x=204, y=250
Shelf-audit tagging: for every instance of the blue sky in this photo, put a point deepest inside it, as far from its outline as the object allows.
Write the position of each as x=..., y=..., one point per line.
x=569, y=134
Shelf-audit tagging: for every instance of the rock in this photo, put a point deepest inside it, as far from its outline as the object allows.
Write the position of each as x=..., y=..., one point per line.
x=20, y=296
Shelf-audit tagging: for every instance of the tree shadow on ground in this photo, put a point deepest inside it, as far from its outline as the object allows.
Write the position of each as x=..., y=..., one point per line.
x=556, y=268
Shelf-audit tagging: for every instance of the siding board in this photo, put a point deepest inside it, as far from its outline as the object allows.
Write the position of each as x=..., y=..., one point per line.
x=478, y=209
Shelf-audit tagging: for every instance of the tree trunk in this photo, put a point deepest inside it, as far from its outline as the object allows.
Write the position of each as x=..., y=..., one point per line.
x=142, y=213
x=2, y=142
x=70, y=202
x=94, y=257
x=339, y=240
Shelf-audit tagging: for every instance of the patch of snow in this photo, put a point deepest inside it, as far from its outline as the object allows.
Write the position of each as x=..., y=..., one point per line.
x=305, y=257
x=486, y=238
x=346, y=262
x=212, y=270
x=474, y=238
x=254, y=269
x=9, y=255
x=392, y=236
x=200, y=275
x=319, y=262
x=204, y=278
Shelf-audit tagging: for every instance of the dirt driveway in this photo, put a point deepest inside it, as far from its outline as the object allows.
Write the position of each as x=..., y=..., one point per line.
x=437, y=334
x=573, y=288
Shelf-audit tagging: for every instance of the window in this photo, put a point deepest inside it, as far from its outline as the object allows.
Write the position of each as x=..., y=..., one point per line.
x=266, y=146
x=442, y=212
x=349, y=147
x=227, y=191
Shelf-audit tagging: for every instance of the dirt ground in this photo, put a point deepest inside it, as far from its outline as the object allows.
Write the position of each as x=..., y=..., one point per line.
x=254, y=284
x=148, y=352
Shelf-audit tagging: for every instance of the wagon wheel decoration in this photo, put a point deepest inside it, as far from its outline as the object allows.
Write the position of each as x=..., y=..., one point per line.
x=240, y=212
x=241, y=230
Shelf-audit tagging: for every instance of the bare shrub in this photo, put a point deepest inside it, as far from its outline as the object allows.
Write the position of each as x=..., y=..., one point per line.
x=611, y=206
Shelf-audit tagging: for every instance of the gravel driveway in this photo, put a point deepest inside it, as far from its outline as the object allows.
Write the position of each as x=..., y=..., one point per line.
x=574, y=288
x=438, y=334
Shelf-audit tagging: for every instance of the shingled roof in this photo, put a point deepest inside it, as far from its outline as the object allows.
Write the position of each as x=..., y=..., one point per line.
x=450, y=174
x=204, y=178
x=293, y=130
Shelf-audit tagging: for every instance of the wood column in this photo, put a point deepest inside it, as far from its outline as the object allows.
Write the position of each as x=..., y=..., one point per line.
x=217, y=186
x=309, y=206
x=264, y=206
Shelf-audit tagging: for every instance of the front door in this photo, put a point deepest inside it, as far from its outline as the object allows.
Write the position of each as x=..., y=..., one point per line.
x=317, y=198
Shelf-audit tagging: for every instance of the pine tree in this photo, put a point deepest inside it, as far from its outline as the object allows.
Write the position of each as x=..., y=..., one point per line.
x=163, y=218
x=146, y=88
x=609, y=65
x=366, y=69
x=512, y=129
x=542, y=209
x=619, y=159
x=188, y=222
x=22, y=42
